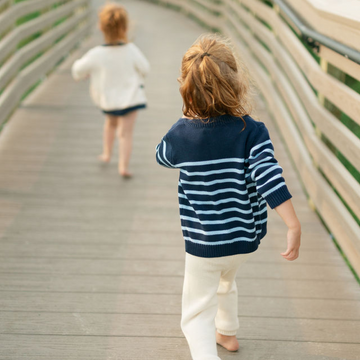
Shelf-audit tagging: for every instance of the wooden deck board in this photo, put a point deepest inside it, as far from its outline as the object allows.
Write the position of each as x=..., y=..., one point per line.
x=136, y=284
x=31, y=252
x=249, y=306
x=164, y=325
x=91, y=265
x=155, y=348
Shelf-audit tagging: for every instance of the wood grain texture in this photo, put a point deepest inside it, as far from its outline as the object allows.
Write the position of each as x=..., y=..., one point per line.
x=155, y=348
x=91, y=266
x=344, y=64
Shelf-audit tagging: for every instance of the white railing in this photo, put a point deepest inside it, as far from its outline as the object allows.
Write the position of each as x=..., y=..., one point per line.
x=59, y=25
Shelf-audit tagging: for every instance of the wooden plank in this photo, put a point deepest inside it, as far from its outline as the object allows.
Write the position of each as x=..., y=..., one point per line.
x=80, y=324
x=347, y=11
x=167, y=304
x=12, y=95
x=342, y=29
x=14, y=12
x=28, y=52
x=275, y=240
x=38, y=253
x=155, y=348
x=150, y=267
x=9, y=44
x=126, y=284
x=344, y=64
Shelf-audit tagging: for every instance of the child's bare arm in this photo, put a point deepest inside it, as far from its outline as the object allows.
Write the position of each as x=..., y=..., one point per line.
x=287, y=213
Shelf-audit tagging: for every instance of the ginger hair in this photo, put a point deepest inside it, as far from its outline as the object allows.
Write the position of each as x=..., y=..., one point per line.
x=113, y=21
x=213, y=81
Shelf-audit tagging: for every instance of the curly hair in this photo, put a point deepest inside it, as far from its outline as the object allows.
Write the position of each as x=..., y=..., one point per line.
x=113, y=21
x=213, y=81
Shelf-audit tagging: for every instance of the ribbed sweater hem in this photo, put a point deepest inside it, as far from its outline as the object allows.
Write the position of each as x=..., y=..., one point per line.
x=235, y=248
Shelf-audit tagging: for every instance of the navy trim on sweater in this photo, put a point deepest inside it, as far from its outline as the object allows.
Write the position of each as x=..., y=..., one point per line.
x=115, y=44
x=122, y=112
x=227, y=175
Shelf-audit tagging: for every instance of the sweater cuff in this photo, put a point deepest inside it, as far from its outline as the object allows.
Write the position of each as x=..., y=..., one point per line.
x=277, y=197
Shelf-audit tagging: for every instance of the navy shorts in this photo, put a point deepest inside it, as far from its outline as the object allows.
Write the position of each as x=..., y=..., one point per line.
x=126, y=111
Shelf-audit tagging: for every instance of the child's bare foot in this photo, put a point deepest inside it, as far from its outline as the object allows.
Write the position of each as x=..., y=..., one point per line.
x=125, y=174
x=230, y=343
x=104, y=158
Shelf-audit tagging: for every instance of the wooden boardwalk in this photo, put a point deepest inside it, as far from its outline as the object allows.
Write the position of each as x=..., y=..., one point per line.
x=91, y=265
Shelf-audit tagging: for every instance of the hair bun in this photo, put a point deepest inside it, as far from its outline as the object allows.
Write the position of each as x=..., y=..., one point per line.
x=114, y=22
x=116, y=15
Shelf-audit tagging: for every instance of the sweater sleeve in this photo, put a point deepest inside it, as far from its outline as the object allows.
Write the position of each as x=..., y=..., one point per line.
x=82, y=67
x=141, y=63
x=265, y=171
x=163, y=153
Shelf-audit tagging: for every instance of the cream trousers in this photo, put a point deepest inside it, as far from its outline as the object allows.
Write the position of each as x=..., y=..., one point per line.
x=209, y=302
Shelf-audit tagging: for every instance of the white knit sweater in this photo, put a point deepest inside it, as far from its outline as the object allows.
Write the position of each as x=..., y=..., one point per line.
x=116, y=75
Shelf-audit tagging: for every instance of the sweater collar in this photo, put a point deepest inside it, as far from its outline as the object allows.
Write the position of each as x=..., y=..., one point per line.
x=115, y=44
x=212, y=122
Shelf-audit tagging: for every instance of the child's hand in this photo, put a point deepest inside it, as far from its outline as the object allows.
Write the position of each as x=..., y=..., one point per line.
x=293, y=244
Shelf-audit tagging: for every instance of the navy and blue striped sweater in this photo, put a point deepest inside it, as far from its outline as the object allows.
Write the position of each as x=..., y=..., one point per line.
x=227, y=175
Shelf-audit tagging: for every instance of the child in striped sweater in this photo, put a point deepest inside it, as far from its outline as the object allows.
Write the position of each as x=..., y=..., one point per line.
x=228, y=174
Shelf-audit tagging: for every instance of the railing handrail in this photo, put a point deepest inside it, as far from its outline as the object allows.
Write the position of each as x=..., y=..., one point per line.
x=313, y=37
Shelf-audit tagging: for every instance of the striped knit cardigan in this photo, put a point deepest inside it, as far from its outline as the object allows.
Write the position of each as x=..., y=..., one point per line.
x=227, y=175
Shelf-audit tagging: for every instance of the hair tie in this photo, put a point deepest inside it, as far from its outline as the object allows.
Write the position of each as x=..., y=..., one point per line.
x=204, y=54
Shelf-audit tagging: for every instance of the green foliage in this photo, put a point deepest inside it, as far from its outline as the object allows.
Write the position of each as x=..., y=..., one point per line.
x=60, y=21
x=345, y=259
x=37, y=56
x=268, y=3
x=27, y=18
x=31, y=89
x=264, y=22
x=204, y=8
x=29, y=39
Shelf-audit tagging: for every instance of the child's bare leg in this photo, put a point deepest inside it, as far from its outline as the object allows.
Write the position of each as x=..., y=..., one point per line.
x=110, y=126
x=126, y=129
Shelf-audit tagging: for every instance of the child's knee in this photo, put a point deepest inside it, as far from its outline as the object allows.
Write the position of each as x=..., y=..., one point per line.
x=113, y=123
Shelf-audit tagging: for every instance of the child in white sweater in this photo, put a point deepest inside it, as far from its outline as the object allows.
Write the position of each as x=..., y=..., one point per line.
x=117, y=70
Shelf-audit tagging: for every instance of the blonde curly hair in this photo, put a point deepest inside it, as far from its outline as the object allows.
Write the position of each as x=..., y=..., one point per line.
x=113, y=22
x=213, y=80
